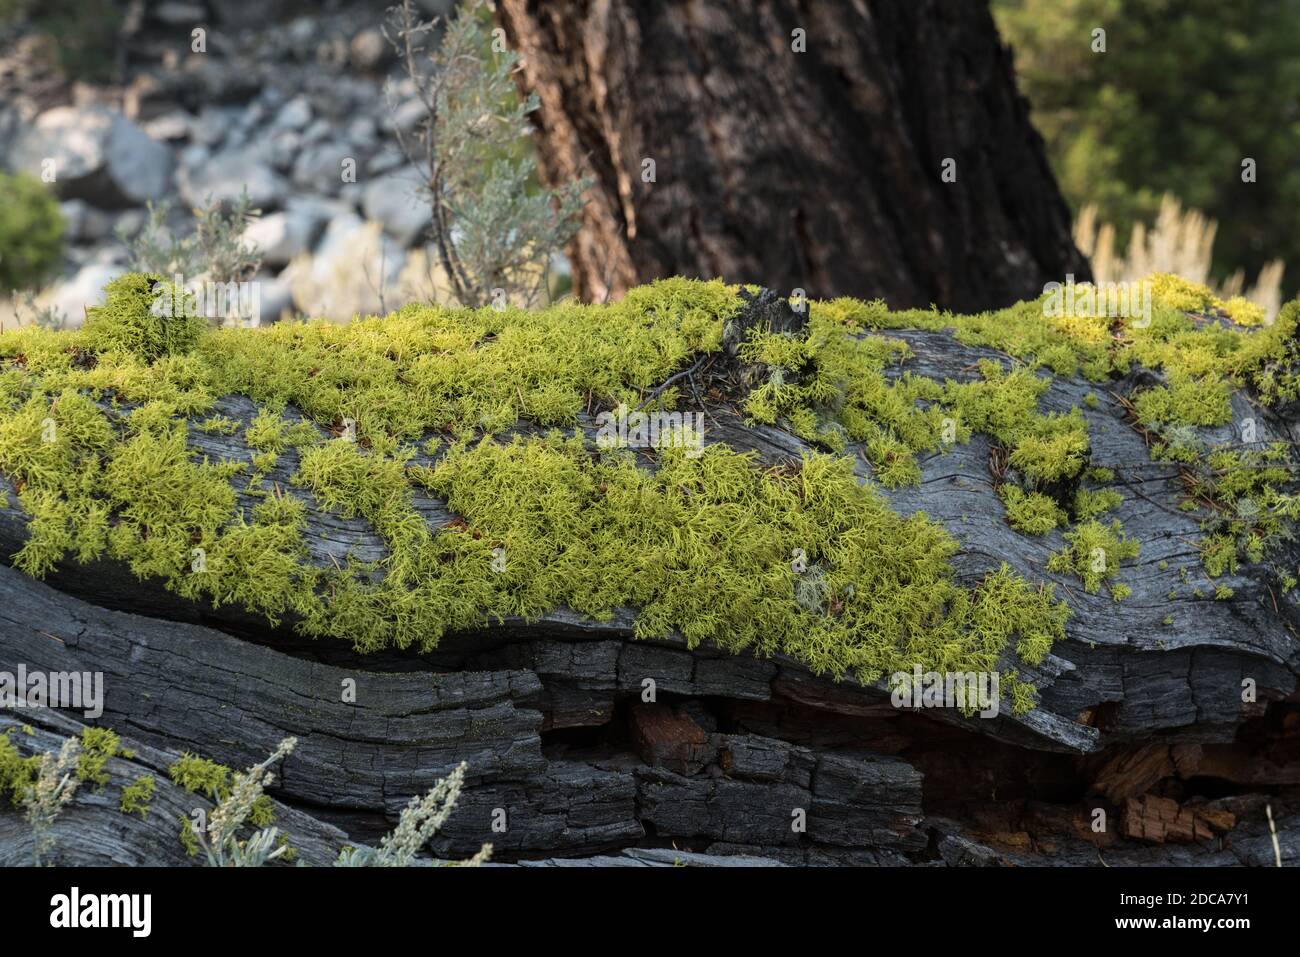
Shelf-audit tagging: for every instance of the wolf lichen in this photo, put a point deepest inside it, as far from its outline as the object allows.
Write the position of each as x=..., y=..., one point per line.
x=17, y=774
x=381, y=414
x=97, y=746
x=1030, y=512
x=1090, y=503
x=145, y=317
x=137, y=796
x=1094, y=552
x=212, y=780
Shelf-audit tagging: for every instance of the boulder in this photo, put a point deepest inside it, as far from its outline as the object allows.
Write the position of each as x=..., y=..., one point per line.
x=319, y=167
x=355, y=271
x=275, y=298
x=394, y=199
x=176, y=13
x=294, y=115
x=83, y=222
x=283, y=235
x=97, y=155
x=369, y=51
x=71, y=298
x=228, y=174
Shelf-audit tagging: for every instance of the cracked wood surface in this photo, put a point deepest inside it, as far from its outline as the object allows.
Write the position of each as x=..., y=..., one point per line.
x=535, y=707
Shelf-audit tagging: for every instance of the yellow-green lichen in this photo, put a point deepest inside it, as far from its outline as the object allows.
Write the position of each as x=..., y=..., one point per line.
x=1030, y=512
x=1094, y=553
x=97, y=746
x=703, y=545
x=145, y=317
x=137, y=796
x=212, y=780
x=17, y=774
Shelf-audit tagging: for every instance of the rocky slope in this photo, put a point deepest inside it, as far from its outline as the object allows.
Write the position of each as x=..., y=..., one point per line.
x=298, y=104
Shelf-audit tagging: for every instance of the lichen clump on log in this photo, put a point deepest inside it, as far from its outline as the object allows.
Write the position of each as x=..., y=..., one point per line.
x=804, y=559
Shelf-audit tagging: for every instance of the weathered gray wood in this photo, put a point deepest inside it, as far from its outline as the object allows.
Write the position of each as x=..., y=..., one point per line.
x=93, y=831
x=540, y=710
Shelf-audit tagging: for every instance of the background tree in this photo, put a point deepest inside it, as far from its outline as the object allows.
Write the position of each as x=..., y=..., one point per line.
x=1182, y=94
x=794, y=144
x=492, y=227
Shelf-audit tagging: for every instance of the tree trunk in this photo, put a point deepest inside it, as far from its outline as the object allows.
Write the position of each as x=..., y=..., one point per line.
x=716, y=150
x=1141, y=715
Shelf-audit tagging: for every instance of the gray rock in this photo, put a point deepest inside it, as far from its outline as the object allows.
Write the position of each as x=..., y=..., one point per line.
x=84, y=223
x=320, y=129
x=386, y=160
x=320, y=168
x=248, y=13
x=353, y=264
x=215, y=124
x=369, y=50
x=227, y=174
x=98, y=155
x=130, y=222
x=294, y=115
x=282, y=149
x=283, y=235
x=406, y=116
x=275, y=298
x=173, y=125
x=363, y=130
x=176, y=13
x=192, y=157
x=396, y=201
x=74, y=296
x=302, y=31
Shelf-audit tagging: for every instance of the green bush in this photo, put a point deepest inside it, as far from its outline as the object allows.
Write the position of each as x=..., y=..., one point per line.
x=1184, y=92
x=31, y=232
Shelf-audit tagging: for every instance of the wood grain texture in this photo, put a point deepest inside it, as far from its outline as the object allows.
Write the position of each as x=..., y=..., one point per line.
x=817, y=170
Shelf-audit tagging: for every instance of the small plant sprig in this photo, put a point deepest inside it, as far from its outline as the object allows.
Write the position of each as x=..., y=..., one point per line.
x=494, y=229
x=420, y=820
x=56, y=783
x=215, y=251
x=220, y=841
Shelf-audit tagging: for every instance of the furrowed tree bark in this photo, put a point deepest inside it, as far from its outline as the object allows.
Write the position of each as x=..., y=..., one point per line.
x=1141, y=715
x=820, y=170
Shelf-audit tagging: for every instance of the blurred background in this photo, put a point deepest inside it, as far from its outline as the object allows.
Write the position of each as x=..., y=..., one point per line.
x=348, y=158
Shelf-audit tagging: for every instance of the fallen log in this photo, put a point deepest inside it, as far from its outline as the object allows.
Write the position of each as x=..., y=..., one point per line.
x=1170, y=712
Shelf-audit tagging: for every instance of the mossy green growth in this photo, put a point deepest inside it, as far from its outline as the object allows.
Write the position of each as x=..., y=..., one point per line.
x=1020, y=692
x=97, y=746
x=1250, y=503
x=200, y=776
x=144, y=316
x=212, y=780
x=17, y=774
x=137, y=796
x=1090, y=503
x=31, y=232
x=1094, y=552
x=1030, y=512
x=189, y=840
x=703, y=545
x=706, y=545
